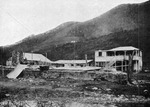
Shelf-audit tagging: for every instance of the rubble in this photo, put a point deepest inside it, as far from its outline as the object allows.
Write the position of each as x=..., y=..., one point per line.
x=112, y=76
x=57, y=89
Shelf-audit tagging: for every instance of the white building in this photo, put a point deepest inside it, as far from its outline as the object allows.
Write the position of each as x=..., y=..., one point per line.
x=119, y=58
x=71, y=63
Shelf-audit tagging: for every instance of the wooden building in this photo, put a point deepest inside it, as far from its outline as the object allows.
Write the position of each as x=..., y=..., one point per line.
x=119, y=58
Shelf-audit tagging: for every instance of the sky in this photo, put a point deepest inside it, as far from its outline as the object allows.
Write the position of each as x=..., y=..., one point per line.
x=22, y=18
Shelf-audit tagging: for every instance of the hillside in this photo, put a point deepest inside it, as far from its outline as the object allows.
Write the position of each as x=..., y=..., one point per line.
x=126, y=24
x=136, y=38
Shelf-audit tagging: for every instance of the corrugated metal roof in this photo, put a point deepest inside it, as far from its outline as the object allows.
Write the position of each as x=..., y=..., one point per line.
x=72, y=61
x=36, y=57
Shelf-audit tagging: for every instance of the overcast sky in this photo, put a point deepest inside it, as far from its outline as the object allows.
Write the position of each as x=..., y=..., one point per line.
x=21, y=18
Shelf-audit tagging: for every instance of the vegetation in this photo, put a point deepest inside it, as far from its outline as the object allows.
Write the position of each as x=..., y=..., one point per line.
x=124, y=25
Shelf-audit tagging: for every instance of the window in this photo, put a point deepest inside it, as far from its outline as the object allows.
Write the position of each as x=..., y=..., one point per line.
x=118, y=53
x=100, y=54
x=110, y=53
x=130, y=52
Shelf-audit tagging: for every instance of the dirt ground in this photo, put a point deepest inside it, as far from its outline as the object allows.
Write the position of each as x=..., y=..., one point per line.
x=67, y=91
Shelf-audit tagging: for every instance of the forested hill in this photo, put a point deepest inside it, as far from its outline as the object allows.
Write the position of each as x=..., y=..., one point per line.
x=124, y=25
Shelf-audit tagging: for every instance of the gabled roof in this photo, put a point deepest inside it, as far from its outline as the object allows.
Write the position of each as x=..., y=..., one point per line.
x=36, y=57
x=72, y=61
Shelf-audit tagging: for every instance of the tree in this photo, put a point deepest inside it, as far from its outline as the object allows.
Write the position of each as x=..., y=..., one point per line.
x=130, y=70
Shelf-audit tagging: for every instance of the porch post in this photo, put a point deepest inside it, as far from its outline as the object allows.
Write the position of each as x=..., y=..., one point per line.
x=122, y=66
x=115, y=59
x=125, y=61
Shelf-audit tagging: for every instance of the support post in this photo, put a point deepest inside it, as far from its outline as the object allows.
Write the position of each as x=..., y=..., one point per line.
x=115, y=59
x=125, y=61
x=86, y=59
x=2, y=71
x=122, y=65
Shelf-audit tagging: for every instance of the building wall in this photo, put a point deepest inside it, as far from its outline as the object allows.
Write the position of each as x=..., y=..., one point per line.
x=120, y=59
x=70, y=65
x=8, y=63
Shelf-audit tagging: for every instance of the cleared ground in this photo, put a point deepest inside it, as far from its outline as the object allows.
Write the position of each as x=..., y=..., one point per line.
x=69, y=92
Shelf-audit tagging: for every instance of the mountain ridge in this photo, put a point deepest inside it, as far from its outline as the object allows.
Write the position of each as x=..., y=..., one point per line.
x=123, y=18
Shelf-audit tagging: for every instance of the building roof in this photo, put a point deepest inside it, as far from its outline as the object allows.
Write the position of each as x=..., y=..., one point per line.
x=18, y=69
x=72, y=61
x=36, y=57
x=124, y=48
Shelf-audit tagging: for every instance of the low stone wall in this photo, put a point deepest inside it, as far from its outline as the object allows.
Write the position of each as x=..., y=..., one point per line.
x=73, y=75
